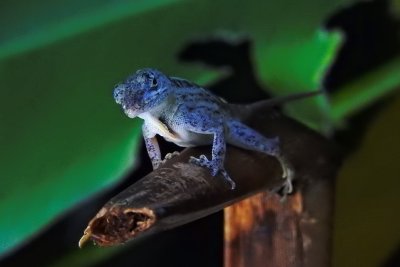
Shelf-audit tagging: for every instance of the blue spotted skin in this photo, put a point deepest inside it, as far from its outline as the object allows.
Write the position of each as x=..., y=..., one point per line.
x=189, y=115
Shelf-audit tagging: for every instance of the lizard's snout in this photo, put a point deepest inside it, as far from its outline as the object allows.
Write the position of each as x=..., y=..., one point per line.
x=119, y=93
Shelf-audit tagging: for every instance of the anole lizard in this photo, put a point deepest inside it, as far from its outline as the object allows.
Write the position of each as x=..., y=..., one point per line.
x=189, y=115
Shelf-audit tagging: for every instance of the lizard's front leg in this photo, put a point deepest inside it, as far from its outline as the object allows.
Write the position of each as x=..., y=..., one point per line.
x=216, y=164
x=152, y=146
x=204, y=119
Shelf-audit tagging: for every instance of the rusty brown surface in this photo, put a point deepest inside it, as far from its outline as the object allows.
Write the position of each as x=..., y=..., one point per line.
x=268, y=236
x=265, y=231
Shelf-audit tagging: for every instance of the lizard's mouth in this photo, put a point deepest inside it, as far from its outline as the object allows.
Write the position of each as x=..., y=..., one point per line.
x=132, y=108
x=131, y=112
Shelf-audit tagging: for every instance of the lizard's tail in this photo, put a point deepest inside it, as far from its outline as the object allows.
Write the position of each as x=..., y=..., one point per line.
x=242, y=111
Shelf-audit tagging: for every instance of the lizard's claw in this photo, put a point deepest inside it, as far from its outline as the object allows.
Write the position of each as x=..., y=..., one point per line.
x=215, y=169
x=170, y=156
x=288, y=185
x=288, y=175
x=228, y=179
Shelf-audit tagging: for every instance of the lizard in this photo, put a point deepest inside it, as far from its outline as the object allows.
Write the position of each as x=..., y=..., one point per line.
x=189, y=115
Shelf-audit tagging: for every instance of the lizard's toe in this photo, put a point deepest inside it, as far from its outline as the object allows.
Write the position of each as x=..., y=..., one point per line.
x=228, y=179
x=202, y=161
x=214, y=168
x=170, y=156
x=288, y=185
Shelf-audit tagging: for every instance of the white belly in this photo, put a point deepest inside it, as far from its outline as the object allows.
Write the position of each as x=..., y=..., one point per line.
x=177, y=135
x=186, y=138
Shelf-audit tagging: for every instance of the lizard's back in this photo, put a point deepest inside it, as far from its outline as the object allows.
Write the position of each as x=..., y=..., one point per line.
x=197, y=106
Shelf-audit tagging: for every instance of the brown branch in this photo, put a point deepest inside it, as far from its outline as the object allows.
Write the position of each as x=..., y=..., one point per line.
x=180, y=192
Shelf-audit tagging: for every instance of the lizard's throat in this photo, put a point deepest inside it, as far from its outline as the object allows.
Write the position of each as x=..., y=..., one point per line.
x=131, y=113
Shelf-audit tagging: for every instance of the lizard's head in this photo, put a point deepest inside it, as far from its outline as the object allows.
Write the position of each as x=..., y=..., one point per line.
x=142, y=92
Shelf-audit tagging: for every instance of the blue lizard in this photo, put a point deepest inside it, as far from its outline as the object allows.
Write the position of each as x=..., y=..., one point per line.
x=189, y=115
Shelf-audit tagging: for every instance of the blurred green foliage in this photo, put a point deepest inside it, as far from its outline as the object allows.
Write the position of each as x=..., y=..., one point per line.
x=62, y=136
x=32, y=24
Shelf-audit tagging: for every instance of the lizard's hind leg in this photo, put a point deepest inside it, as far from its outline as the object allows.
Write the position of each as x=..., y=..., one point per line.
x=245, y=137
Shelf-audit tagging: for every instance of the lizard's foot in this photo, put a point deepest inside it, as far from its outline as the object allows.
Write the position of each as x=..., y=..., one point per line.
x=215, y=169
x=202, y=161
x=170, y=156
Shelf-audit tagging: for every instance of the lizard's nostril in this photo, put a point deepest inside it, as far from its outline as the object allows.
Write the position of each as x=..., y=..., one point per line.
x=119, y=93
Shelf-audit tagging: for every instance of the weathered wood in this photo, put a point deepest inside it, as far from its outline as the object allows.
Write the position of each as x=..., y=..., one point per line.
x=265, y=231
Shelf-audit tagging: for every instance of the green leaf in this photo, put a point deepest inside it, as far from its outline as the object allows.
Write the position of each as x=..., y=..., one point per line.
x=364, y=91
x=296, y=65
x=62, y=136
x=89, y=256
x=30, y=25
x=58, y=146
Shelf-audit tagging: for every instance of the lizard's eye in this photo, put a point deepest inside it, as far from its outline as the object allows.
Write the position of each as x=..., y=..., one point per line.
x=154, y=83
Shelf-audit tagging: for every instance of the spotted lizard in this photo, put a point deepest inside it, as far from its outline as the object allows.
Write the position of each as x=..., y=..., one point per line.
x=189, y=115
